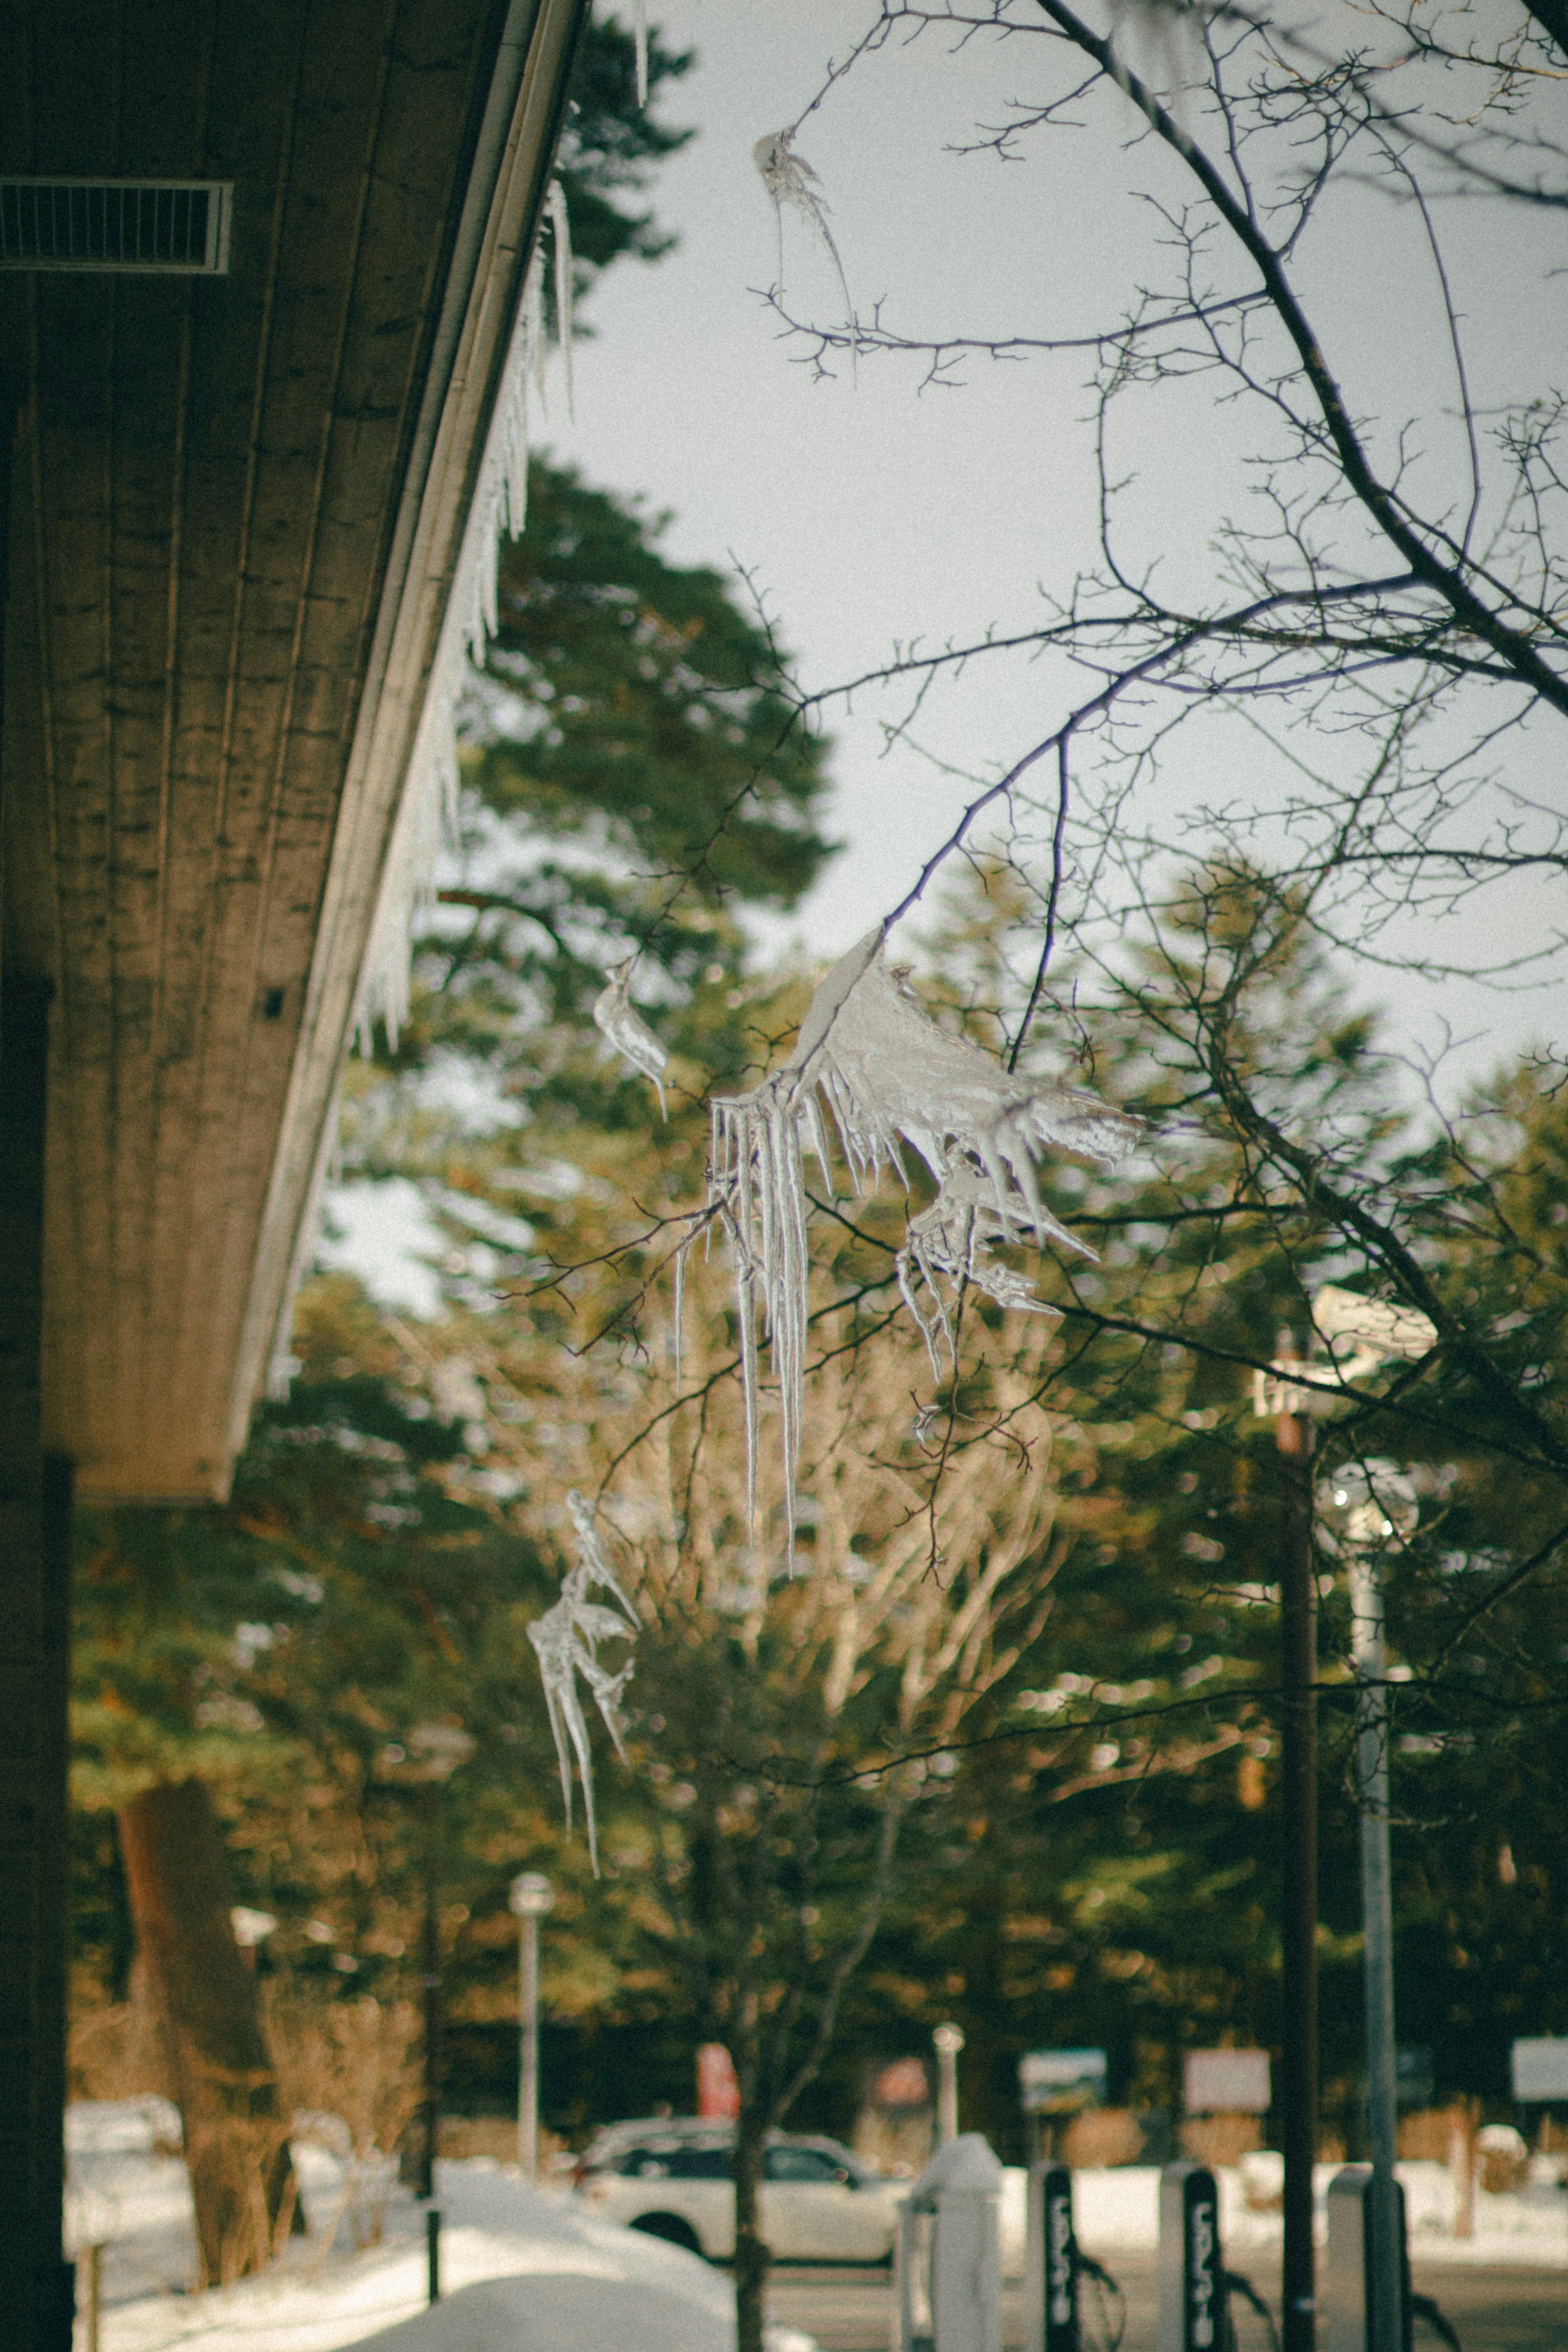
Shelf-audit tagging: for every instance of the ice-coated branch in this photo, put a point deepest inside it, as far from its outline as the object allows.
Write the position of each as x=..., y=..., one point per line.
x=871, y=1060
x=566, y=1639
x=618, y=1020
x=790, y=180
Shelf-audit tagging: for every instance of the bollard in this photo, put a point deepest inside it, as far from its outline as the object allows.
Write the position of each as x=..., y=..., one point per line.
x=1192, y=2274
x=949, y=2253
x=1349, y=2309
x=91, y=2269
x=1050, y=2262
x=433, y=2251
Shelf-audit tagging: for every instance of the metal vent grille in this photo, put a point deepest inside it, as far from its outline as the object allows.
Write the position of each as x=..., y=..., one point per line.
x=144, y=225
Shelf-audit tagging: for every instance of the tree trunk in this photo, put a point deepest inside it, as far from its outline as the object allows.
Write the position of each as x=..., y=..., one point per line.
x=752, y=2256
x=236, y=2144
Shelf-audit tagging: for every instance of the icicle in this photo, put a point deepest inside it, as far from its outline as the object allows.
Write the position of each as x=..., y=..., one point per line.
x=562, y=228
x=627, y=1031
x=534, y=319
x=640, y=39
x=565, y=1639
x=889, y=1077
x=788, y=178
x=953, y=1237
x=429, y=808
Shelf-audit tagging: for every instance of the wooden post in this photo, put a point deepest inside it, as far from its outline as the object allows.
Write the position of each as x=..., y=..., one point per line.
x=1462, y=2117
x=92, y=2296
x=36, y=2283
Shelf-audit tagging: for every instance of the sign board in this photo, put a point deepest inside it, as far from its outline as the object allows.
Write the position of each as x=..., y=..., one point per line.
x=1540, y=2067
x=1226, y=2082
x=1055, y=2082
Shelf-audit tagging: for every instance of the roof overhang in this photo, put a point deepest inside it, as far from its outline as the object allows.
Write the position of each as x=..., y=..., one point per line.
x=237, y=508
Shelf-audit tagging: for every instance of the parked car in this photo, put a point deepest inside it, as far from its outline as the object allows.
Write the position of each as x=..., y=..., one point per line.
x=675, y=2179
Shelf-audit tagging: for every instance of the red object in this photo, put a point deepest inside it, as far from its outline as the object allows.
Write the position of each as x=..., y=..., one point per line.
x=718, y=2093
x=901, y=2085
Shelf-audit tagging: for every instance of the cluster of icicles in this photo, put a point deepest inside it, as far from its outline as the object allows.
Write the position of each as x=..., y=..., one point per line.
x=871, y=1063
x=427, y=815
x=868, y=1060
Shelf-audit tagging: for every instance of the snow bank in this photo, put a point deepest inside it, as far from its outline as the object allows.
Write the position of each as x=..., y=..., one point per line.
x=516, y=2265
x=575, y=2312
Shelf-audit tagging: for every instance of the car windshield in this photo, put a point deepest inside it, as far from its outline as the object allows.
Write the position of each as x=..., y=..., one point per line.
x=673, y=2159
x=611, y=2141
x=805, y=2164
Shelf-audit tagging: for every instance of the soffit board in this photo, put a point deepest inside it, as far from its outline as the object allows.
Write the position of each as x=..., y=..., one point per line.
x=235, y=507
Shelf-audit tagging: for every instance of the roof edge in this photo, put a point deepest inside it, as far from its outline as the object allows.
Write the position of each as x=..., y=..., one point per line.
x=497, y=229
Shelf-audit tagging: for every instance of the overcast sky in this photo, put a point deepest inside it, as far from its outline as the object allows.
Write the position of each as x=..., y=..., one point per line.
x=872, y=512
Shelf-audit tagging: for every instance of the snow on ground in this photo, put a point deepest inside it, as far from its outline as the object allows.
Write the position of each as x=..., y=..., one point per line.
x=522, y=2271
x=1117, y=2211
x=525, y=2270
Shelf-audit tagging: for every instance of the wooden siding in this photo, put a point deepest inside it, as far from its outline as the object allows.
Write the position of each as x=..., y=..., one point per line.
x=203, y=637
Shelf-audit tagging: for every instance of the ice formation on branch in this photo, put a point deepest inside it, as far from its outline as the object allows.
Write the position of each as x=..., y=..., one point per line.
x=870, y=1058
x=953, y=1238
x=640, y=45
x=626, y=1029
x=789, y=180
x=566, y=1639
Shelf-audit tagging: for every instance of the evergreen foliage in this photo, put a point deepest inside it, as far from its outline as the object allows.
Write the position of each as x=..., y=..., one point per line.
x=611, y=145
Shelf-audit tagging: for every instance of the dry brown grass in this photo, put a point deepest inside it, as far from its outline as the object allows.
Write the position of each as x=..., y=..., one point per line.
x=495, y=2137
x=115, y=2048
x=244, y=2189
x=1219, y=2139
x=353, y=2064
x=1102, y=2135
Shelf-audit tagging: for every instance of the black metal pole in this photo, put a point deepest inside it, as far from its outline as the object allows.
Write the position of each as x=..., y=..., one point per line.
x=36, y=2283
x=430, y=1956
x=1299, y=1907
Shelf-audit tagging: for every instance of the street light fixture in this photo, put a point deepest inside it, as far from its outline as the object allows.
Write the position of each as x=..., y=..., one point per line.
x=531, y=1897
x=950, y=2040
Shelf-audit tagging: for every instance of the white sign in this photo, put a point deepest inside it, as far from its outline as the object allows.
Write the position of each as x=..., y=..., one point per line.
x=1226, y=2082
x=1375, y=1324
x=1540, y=2067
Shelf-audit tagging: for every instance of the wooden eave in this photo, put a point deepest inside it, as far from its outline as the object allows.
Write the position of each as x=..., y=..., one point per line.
x=236, y=505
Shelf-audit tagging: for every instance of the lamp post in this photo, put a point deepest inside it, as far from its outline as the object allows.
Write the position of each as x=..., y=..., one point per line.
x=949, y=2041
x=1368, y=1503
x=1359, y=1335
x=434, y=1750
x=1299, y=1907
x=531, y=1897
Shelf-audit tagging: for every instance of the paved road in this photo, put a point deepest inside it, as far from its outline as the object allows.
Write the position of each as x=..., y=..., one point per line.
x=1493, y=2310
